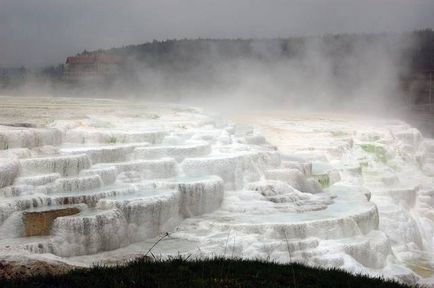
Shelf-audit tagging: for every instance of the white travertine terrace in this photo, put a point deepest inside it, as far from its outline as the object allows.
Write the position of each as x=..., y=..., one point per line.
x=347, y=193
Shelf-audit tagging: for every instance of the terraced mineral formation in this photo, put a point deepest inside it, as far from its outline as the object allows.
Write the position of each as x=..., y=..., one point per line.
x=105, y=181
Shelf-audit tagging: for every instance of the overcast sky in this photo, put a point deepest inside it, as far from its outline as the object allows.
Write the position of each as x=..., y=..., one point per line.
x=41, y=32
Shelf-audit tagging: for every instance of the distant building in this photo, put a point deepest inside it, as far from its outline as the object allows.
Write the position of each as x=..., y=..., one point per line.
x=91, y=67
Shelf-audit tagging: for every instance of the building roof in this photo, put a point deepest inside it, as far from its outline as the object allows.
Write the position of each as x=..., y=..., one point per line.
x=90, y=59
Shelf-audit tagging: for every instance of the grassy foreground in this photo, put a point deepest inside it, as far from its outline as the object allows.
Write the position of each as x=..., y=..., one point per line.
x=204, y=273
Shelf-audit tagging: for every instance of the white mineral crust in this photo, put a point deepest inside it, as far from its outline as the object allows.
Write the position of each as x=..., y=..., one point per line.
x=355, y=194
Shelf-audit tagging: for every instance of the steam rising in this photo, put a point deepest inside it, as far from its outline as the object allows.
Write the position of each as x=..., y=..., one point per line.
x=45, y=32
x=353, y=193
x=344, y=72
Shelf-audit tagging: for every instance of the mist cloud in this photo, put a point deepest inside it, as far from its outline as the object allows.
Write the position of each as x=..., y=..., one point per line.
x=35, y=33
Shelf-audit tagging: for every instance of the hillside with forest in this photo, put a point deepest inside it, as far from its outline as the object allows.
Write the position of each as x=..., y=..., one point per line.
x=343, y=66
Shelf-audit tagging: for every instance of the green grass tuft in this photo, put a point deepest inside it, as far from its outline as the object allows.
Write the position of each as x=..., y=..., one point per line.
x=203, y=273
x=323, y=180
x=339, y=133
x=378, y=151
x=112, y=140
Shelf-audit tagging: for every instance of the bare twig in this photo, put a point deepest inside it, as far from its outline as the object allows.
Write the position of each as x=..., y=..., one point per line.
x=290, y=260
x=188, y=257
x=233, y=249
x=158, y=241
x=226, y=245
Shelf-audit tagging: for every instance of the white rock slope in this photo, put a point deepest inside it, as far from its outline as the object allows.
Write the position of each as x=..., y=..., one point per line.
x=338, y=193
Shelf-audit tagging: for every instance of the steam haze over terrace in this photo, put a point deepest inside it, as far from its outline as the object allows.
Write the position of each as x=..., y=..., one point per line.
x=37, y=33
x=308, y=144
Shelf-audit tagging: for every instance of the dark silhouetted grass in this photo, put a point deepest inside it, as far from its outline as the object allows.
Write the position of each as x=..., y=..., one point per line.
x=203, y=273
